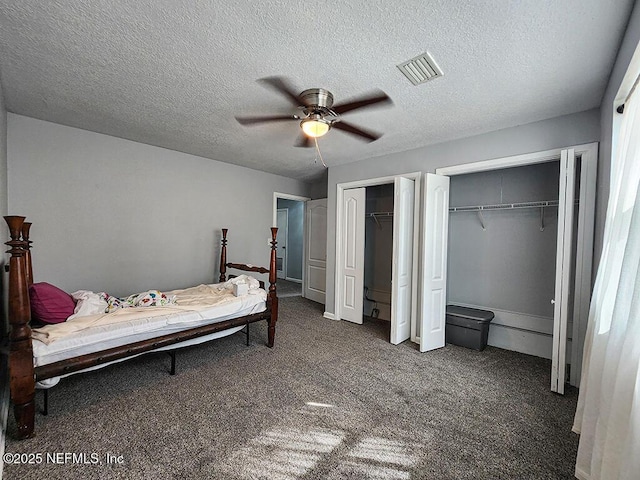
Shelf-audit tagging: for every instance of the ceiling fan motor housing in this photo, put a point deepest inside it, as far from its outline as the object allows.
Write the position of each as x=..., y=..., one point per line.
x=317, y=97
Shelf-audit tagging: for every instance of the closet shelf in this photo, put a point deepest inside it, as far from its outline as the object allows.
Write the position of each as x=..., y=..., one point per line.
x=505, y=206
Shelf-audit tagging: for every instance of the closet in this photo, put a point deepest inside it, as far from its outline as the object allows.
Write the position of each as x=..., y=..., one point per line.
x=502, y=245
x=377, y=221
x=378, y=251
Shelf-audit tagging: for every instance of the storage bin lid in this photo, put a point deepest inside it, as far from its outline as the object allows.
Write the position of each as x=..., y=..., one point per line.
x=484, y=316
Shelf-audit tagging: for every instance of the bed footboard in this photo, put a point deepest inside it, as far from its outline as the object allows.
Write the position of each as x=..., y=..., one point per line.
x=272, y=296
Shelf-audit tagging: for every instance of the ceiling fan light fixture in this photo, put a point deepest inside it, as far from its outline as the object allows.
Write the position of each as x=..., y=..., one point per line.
x=315, y=127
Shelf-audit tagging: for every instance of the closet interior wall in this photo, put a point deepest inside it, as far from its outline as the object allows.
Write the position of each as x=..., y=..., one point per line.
x=378, y=251
x=507, y=266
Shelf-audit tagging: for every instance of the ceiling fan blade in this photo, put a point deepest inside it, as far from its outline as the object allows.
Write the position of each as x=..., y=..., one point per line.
x=370, y=136
x=265, y=119
x=303, y=141
x=281, y=85
x=378, y=97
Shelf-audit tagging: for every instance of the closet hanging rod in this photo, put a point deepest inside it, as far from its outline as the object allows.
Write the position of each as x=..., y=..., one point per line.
x=375, y=216
x=505, y=206
x=379, y=214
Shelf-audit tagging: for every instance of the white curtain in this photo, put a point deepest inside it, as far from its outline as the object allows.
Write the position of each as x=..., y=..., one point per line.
x=608, y=413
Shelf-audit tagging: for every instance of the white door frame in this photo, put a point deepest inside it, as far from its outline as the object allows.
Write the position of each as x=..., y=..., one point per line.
x=584, y=254
x=284, y=239
x=371, y=182
x=274, y=223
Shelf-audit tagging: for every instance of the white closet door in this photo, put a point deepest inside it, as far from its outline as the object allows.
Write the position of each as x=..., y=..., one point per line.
x=434, y=263
x=402, y=263
x=584, y=260
x=352, y=268
x=316, y=250
x=563, y=269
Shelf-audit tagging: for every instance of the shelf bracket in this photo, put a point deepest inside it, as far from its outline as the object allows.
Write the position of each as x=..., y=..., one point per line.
x=542, y=219
x=375, y=217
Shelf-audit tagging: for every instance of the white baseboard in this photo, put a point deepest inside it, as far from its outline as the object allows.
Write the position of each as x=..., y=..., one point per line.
x=294, y=280
x=330, y=316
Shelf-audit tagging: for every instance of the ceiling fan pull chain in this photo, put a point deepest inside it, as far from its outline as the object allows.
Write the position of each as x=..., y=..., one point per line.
x=320, y=154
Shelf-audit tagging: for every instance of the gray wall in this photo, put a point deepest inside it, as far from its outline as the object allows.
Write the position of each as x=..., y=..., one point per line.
x=510, y=265
x=318, y=188
x=3, y=211
x=3, y=160
x=579, y=128
x=295, y=237
x=607, y=108
x=115, y=215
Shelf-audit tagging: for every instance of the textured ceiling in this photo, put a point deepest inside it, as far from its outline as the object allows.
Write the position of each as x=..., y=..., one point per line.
x=174, y=73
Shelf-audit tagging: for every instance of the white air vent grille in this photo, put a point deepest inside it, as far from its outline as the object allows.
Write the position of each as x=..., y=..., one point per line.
x=420, y=69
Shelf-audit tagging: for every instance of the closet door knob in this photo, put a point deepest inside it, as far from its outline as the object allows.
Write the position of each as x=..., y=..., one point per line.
x=553, y=301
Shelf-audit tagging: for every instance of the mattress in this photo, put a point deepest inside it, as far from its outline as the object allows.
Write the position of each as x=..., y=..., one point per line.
x=142, y=324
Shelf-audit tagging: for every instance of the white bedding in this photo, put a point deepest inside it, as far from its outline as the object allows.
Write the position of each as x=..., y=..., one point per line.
x=195, y=307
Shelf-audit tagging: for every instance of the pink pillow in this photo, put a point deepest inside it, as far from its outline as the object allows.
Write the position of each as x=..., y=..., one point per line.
x=49, y=304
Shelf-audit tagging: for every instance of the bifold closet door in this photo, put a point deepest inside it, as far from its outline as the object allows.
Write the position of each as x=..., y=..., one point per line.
x=430, y=334
x=402, y=263
x=566, y=201
x=352, y=258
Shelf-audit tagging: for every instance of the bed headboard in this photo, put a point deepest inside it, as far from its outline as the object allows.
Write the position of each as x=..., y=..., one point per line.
x=250, y=268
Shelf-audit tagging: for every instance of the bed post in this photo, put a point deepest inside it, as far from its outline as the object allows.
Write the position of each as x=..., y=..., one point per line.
x=26, y=226
x=223, y=256
x=21, y=371
x=273, y=297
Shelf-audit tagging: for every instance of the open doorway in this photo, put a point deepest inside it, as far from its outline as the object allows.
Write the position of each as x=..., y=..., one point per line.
x=289, y=217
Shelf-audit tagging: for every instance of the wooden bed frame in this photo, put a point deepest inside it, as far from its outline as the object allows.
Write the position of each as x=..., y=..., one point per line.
x=22, y=373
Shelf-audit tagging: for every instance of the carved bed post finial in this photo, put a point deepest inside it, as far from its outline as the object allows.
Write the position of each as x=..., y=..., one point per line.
x=26, y=226
x=273, y=297
x=223, y=256
x=21, y=371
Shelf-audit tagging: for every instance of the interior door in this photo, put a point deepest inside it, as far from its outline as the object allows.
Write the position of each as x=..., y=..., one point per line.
x=402, y=263
x=281, y=249
x=316, y=250
x=352, y=258
x=431, y=324
x=563, y=269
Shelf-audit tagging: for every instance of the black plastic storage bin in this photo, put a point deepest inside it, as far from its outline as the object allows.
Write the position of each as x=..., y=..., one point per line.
x=467, y=327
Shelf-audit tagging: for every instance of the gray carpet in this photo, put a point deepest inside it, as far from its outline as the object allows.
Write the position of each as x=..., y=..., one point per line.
x=287, y=288
x=332, y=400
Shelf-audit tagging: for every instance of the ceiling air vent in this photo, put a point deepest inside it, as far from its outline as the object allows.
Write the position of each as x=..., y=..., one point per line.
x=420, y=69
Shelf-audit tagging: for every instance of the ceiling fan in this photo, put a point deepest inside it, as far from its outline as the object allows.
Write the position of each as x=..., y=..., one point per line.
x=319, y=114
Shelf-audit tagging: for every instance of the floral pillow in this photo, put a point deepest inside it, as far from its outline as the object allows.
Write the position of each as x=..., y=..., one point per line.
x=150, y=298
